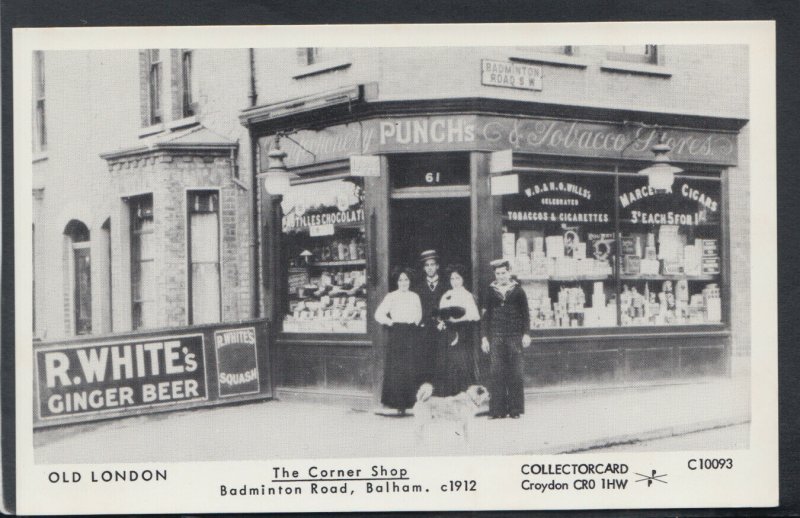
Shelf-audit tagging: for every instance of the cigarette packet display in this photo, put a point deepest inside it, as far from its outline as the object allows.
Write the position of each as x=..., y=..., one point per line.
x=711, y=265
x=649, y=266
x=632, y=265
x=672, y=268
x=710, y=247
x=509, y=240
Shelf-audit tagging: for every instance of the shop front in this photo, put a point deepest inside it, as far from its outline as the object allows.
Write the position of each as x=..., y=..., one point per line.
x=626, y=273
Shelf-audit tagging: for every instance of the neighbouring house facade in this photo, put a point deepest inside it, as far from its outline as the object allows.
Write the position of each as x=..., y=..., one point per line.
x=151, y=211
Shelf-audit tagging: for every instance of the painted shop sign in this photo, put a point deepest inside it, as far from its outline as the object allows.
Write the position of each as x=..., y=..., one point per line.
x=561, y=198
x=237, y=362
x=691, y=203
x=295, y=222
x=490, y=133
x=511, y=75
x=94, y=378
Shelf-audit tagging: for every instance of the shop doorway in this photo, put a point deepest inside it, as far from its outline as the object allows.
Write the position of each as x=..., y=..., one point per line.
x=442, y=224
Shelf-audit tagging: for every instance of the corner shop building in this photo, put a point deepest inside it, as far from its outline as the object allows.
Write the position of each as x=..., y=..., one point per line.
x=426, y=182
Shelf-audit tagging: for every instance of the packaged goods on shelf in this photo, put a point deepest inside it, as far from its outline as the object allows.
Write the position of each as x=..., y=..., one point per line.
x=554, y=246
x=508, y=241
x=691, y=260
x=649, y=266
x=631, y=265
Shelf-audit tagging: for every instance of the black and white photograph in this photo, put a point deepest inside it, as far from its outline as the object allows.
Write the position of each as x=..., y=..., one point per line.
x=339, y=260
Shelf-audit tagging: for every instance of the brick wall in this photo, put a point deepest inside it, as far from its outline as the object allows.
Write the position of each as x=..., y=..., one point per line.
x=168, y=177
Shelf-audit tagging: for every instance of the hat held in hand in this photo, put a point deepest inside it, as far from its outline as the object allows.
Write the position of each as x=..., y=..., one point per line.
x=454, y=312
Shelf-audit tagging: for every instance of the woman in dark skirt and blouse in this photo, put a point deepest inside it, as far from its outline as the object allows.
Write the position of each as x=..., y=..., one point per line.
x=401, y=312
x=456, y=367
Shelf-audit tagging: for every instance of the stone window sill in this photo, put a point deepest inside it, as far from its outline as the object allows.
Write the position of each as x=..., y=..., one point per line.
x=563, y=60
x=39, y=156
x=636, y=68
x=185, y=122
x=320, y=68
x=151, y=130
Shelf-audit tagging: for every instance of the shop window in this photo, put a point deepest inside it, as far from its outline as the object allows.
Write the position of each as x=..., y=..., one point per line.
x=670, y=260
x=187, y=101
x=40, y=121
x=204, y=285
x=325, y=257
x=558, y=232
x=661, y=268
x=154, y=79
x=142, y=262
x=78, y=235
x=633, y=53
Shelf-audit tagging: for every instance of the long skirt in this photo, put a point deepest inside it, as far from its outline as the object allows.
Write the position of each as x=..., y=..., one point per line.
x=399, y=379
x=456, y=366
x=425, y=352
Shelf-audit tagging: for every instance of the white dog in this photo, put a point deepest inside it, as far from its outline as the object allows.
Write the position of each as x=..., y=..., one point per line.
x=460, y=408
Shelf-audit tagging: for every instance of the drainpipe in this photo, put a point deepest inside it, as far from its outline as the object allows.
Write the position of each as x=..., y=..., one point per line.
x=253, y=95
x=255, y=274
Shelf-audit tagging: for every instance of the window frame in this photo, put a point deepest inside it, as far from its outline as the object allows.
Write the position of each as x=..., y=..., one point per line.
x=79, y=247
x=186, y=70
x=40, y=116
x=288, y=325
x=618, y=278
x=155, y=75
x=215, y=195
x=135, y=205
x=649, y=57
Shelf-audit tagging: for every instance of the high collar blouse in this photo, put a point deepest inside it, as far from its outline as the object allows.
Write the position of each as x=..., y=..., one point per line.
x=401, y=307
x=460, y=297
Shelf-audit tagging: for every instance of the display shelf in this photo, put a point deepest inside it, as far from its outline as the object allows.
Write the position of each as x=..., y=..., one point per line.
x=574, y=278
x=669, y=277
x=351, y=262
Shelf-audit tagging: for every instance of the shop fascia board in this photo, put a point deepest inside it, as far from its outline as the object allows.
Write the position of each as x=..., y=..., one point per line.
x=310, y=117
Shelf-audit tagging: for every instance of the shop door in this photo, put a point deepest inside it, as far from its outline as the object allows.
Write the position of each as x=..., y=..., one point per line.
x=430, y=209
x=442, y=224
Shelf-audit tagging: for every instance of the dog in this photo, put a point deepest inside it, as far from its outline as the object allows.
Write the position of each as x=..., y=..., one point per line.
x=460, y=408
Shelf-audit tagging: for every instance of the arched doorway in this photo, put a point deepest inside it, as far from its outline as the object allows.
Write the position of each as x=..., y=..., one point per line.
x=79, y=248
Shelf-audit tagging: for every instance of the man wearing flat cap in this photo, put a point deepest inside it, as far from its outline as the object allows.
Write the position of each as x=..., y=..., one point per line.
x=504, y=329
x=430, y=290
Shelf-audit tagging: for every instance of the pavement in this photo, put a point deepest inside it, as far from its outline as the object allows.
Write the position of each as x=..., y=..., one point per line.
x=554, y=422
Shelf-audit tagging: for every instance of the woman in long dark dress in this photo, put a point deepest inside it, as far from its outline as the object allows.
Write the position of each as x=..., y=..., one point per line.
x=456, y=361
x=401, y=312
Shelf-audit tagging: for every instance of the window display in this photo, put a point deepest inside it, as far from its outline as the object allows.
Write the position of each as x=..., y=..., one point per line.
x=658, y=264
x=558, y=235
x=670, y=252
x=323, y=224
